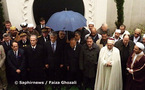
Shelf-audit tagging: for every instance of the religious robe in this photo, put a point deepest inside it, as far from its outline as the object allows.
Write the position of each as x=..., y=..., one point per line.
x=136, y=81
x=109, y=78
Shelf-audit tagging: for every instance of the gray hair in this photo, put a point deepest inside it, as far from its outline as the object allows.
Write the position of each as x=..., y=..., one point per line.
x=6, y=35
x=53, y=34
x=33, y=36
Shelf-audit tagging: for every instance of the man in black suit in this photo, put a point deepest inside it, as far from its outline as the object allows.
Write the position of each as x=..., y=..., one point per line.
x=7, y=26
x=42, y=25
x=44, y=38
x=16, y=62
x=78, y=38
x=72, y=52
x=24, y=42
x=24, y=28
x=54, y=62
x=35, y=63
x=7, y=46
x=7, y=42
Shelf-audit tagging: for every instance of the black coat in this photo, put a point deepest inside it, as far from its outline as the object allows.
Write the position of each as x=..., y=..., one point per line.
x=7, y=48
x=41, y=40
x=16, y=63
x=72, y=57
x=35, y=63
x=23, y=45
x=38, y=28
x=88, y=60
x=54, y=59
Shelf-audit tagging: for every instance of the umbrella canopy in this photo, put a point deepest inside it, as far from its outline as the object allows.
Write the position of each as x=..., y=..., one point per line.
x=66, y=20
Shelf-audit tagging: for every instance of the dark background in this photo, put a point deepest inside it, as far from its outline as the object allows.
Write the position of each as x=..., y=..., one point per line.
x=45, y=8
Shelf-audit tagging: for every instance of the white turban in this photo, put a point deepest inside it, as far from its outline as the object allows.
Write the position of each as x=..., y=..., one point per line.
x=91, y=23
x=30, y=25
x=144, y=36
x=118, y=31
x=110, y=40
x=140, y=45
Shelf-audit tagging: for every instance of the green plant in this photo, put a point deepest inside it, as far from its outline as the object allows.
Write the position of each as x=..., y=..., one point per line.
x=120, y=13
x=1, y=17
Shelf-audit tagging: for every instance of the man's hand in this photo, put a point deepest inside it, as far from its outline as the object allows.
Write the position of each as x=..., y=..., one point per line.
x=61, y=65
x=109, y=64
x=67, y=67
x=130, y=71
x=47, y=66
x=18, y=71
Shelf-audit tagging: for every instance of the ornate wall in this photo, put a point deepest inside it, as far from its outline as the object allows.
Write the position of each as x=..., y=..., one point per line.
x=18, y=11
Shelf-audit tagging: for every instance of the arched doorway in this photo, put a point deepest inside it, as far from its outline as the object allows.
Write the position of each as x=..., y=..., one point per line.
x=45, y=8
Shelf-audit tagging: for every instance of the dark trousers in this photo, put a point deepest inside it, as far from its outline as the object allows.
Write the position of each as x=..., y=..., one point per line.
x=88, y=83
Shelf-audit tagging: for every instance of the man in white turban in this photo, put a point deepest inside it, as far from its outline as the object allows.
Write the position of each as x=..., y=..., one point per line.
x=136, y=69
x=109, y=76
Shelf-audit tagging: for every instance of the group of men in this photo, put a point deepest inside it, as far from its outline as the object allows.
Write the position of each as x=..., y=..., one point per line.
x=93, y=58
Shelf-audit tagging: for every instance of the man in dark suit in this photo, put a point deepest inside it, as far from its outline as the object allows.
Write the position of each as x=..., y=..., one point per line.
x=42, y=25
x=54, y=62
x=72, y=52
x=24, y=42
x=78, y=38
x=83, y=32
x=44, y=38
x=137, y=36
x=35, y=63
x=16, y=62
x=7, y=26
x=24, y=28
x=7, y=46
x=7, y=42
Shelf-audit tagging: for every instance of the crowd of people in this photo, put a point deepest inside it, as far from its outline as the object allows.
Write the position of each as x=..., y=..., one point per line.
x=95, y=59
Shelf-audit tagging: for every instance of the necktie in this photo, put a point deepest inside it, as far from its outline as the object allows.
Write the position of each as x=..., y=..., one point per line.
x=33, y=48
x=15, y=54
x=46, y=39
x=53, y=48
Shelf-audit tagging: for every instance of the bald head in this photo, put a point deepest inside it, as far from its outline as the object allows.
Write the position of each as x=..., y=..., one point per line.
x=93, y=31
x=137, y=33
x=104, y=27
x=126, y=40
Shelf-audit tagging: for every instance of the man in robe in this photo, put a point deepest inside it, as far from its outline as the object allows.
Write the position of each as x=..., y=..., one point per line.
x=109, y=75
x=136, y=69
x=137, y=36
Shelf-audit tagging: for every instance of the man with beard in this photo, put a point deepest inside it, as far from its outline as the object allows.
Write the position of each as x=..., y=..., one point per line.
x=14, y=34
x=136, y=69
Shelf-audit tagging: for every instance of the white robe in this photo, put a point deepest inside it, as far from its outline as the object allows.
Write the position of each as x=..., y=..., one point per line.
x=109, y=78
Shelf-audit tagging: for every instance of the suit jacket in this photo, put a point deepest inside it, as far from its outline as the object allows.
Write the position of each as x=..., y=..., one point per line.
x=2, y=58
x=54, y=59
x=23, y=45
x=16, y=62
x=41, y=40
x=6, y=47
x=38, y=28
x=35, y=63
x=72, y=57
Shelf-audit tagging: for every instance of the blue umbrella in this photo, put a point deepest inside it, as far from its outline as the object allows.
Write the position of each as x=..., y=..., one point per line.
x=66, y=20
